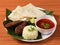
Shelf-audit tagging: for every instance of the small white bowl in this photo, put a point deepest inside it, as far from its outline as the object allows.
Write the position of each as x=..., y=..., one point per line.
x=45, y=31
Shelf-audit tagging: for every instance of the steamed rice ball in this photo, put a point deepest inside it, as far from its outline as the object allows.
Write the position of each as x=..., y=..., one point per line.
x=30, y=32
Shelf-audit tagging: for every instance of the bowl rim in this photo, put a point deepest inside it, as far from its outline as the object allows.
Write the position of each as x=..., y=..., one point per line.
x=42, y=28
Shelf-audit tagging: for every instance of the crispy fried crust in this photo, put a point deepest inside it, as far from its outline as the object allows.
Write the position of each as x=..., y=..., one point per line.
x=19, y=29
x=12, y=23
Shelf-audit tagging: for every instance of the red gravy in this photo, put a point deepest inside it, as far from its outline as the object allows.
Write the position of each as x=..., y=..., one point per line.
x=51, y=24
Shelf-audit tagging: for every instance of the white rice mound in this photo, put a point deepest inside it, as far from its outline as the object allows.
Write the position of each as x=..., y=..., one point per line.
x=30, y=34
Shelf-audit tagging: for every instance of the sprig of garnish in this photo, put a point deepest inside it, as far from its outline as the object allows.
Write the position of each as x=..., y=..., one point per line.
x=45, y=25
x=31, y=29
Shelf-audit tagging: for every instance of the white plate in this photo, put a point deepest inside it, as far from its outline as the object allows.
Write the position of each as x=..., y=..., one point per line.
x=43, y=36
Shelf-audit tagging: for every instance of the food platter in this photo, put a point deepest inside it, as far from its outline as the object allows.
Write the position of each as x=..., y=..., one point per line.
x=44, y=36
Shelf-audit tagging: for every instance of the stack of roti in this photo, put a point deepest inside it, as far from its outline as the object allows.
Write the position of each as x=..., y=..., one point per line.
x=27, y=11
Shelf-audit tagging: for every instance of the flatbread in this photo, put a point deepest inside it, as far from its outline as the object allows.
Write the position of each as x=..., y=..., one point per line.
x=25, y=12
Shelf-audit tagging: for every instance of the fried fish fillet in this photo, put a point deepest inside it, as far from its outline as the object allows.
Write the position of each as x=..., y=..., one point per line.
x=19, y=29
x=13, y=23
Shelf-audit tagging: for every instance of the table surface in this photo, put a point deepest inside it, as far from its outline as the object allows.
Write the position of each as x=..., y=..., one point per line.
x=54, y=5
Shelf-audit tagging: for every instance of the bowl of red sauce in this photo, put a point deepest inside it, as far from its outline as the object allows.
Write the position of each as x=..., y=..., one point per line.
x=45, y=24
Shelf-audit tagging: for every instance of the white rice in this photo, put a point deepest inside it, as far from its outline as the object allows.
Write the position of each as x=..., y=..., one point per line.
x=30, y=34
